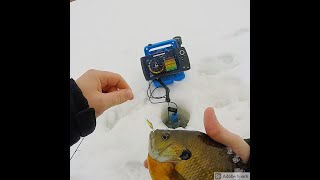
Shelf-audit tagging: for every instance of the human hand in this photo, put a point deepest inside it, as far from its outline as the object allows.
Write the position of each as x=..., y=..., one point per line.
x=218, y=133
x=104, y=89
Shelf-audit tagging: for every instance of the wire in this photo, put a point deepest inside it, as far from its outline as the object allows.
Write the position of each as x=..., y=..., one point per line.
x=150, y=96
x=76, y=149
x=174, y=104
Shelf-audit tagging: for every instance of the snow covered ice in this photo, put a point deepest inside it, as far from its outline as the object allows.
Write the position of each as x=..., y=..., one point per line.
x=111, y=34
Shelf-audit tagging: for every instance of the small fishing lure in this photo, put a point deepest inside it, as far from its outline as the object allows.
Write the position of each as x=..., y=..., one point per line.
x=149, y=124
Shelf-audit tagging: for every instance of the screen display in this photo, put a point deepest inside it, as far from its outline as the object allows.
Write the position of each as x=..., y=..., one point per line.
x=162, y=63
x=170, y=64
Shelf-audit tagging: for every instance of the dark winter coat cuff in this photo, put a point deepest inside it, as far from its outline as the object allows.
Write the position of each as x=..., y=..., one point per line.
x=82, y=118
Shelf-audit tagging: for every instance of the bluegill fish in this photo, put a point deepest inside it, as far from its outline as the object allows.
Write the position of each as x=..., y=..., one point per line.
x=189, y=155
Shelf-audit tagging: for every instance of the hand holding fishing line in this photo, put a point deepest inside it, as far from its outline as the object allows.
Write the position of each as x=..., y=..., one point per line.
x=104, y=89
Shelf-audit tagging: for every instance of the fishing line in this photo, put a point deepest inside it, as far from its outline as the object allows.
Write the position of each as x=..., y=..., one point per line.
x=76, y=149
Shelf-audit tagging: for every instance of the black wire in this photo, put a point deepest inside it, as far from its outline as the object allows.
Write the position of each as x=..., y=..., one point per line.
x=150, y=96
x=174, y=104
x=76, y=149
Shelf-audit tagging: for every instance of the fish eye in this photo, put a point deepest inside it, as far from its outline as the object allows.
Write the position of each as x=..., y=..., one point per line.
x=165, y=135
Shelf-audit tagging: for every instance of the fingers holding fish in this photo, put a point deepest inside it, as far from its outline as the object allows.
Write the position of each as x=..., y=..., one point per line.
x=218, y=133
x=145, y=164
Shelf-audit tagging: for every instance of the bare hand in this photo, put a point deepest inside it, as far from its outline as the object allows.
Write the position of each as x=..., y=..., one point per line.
x=104, y=89
x=218, y=133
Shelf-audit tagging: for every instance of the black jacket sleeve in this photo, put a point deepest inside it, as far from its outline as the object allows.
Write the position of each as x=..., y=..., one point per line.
x=82, y=118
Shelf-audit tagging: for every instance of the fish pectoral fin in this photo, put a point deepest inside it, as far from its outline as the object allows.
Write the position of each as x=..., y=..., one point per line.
x=176, y=176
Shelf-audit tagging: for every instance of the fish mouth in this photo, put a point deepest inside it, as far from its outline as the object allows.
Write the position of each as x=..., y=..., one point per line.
x=152, y=152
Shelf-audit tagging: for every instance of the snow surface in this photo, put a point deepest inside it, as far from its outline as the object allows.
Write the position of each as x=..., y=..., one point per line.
x=110, y=35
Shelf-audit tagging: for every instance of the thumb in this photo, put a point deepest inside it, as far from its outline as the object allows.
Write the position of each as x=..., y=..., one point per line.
x=211, y=124
x=218, y=133
x=117, y=97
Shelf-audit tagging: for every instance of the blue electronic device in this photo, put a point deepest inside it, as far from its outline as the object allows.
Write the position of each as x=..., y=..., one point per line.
x=166, y=60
